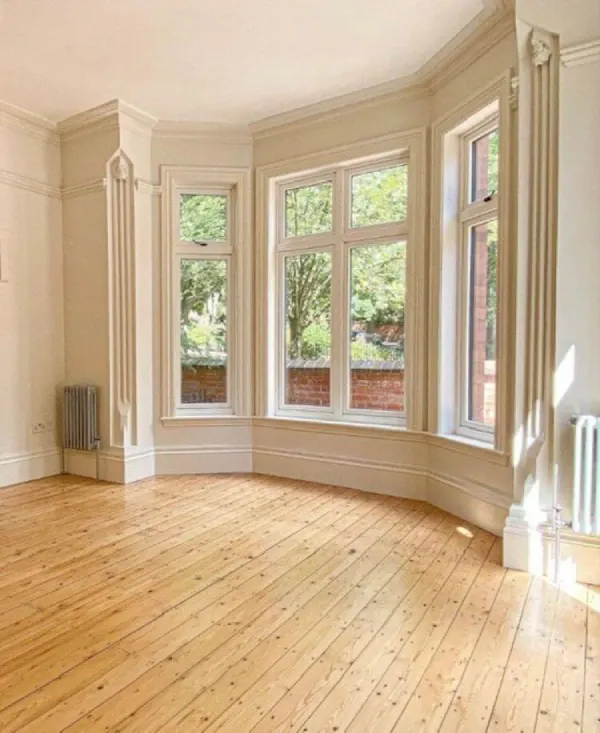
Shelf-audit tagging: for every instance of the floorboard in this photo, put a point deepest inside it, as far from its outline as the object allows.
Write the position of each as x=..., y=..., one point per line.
x=249, y=604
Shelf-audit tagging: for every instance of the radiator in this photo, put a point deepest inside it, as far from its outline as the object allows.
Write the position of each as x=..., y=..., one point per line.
x=586, y=475
x=80, y=417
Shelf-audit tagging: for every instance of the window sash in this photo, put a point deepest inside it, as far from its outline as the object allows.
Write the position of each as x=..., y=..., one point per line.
x=475, y=133
x=372, y=230
x=470, y=214
x=214, y=408
x=467, y=427
x=208, y=246
x=308, y=240
x=340, y=361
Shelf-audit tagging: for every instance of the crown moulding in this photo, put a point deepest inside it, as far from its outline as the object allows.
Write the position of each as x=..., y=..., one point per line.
x=491, y=26
x=109, y=115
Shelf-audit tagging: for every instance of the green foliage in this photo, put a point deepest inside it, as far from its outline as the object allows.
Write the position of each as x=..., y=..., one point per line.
x=308, y=300
x=316, y=341
x=364, y=351
x=203, y=217
x=380, y=196
x=203, y=315
x=378, y=284
x=308, y=210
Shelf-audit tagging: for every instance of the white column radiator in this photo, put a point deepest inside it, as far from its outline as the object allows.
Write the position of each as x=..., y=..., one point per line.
x=586, y=475
x=80, y=417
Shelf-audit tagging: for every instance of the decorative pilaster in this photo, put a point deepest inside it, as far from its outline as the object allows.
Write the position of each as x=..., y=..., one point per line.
x=120, y=191
x=542, y=244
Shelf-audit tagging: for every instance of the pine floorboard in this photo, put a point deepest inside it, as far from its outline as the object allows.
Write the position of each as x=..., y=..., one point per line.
x=251, y=604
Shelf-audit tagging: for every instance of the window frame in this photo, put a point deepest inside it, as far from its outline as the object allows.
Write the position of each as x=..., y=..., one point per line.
x=235, y=183
x=339, y=242
x=470, y=215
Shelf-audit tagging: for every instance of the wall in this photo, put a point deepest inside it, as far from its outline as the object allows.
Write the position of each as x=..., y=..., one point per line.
x=31, y=297
x=578, y=293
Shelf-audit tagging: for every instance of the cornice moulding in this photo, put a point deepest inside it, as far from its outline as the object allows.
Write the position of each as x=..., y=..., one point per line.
x=28, y=123
x=203, y=131
x=492, y=25
x=106, y=116
x=581, y=53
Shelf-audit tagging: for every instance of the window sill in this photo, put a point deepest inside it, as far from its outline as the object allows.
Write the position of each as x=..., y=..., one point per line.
x=208, y=421
x=482, y=449
x=340, y=427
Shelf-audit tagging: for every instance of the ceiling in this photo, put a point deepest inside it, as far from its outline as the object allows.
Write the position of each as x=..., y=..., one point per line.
x=233, y=61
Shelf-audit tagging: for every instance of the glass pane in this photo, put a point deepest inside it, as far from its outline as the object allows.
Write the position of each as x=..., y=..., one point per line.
x=203, y=331
x=378, y=287
x=308, y=329
x=484, y=166
x=379, y=197
x=203, y=217
x=309, y=210
x=482, y=323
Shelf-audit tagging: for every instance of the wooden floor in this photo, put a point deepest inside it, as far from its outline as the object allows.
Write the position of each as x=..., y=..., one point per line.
x=239, y=603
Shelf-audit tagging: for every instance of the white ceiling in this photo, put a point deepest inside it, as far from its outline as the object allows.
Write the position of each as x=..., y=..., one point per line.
x=232, y=61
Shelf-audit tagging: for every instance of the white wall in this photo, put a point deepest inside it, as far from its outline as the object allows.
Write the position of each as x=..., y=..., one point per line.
x=578, y=284
x=31, y=299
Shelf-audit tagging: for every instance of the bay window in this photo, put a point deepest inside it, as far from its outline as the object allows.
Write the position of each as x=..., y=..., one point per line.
x=340, y=249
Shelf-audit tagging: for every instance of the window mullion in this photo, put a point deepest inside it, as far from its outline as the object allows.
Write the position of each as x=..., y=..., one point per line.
x=338, y=306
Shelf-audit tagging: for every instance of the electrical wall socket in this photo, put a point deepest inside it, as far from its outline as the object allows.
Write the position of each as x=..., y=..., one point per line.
x=42, y=427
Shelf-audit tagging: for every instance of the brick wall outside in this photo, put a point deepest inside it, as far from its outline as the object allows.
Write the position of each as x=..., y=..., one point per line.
x=371, y=389
x=203, y=384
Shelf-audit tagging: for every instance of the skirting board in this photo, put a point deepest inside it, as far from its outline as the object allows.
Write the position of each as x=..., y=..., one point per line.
x=532, y=549
x=406, y=482
x=113, y=468
x=16, y=469
x=487, y=512
x=206, y=459
x=409, y=483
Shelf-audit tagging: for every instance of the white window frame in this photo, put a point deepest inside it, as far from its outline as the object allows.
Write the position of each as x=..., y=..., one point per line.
x=339, y=242
x=236, y=251
x=470, y=214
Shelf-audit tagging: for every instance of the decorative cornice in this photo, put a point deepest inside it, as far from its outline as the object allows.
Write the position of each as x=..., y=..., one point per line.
x=28, y=123
x=581, y=53
x=541, y=47
x=493, y=24
x=29, y=184
x=203, y=131
x=107, y=116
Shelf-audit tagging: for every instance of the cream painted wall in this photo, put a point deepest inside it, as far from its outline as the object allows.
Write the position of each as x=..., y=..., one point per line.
x=31, y=300
x=395, y=113
x=495, y=62
x=84, y=159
